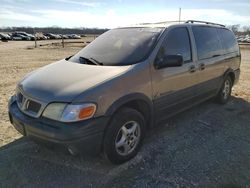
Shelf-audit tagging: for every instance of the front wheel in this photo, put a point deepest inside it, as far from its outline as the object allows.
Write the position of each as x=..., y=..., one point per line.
x=225, y=91
x=124, y=135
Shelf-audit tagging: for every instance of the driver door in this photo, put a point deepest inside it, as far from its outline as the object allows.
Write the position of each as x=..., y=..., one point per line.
x=174, y=88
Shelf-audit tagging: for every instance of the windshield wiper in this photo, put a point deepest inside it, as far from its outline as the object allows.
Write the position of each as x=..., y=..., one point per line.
x=67, y=58
x=97, y=62
x=89, y=60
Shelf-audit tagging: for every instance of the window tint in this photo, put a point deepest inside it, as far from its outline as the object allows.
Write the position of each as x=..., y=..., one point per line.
x=124, y=46
x=177, y=43
x=207, y=42
x=228, y=41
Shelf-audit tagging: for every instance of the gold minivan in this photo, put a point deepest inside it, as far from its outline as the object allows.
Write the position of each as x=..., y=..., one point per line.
x=105, y=97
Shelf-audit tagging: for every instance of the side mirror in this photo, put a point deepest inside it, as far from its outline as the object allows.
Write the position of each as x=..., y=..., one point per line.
x=169, y=61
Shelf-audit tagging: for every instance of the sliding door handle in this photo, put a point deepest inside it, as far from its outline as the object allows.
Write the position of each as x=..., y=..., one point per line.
x=202, y=66
x=192, y=69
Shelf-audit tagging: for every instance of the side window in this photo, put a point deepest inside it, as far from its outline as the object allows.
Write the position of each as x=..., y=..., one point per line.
x=207, y=42
x=228, y=40
x=177, y=42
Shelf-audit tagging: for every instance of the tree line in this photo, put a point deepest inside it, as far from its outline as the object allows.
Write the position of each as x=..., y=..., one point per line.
x=238, y=30
x=54, y=30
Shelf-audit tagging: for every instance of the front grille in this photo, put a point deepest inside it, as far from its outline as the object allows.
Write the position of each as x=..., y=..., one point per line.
x=28, y=106
x=33, y=106
x=20, y=98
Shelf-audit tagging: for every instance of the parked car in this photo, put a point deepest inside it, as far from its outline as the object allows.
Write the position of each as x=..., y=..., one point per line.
x=247, y=39
x=64, y=36
x=240, y=39
x=5, y=36
x=49, y=35
x=74, y=36
x=16, y=36
x=40, y=36
x=30, y=36
x=58, y=36
x=125, y=82
x=244, y=38
x=52, y=36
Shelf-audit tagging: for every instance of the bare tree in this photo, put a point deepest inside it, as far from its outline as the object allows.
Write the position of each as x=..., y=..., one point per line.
x=246, y=29
x=234, y=28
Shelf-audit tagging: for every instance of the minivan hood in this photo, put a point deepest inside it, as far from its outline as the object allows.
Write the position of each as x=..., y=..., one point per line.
x=65, y=80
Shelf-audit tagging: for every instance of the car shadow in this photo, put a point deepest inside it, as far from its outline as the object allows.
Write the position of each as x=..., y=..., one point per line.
x=207, y=145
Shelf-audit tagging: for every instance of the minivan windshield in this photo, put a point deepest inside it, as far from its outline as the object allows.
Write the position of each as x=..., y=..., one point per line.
x=117, y=47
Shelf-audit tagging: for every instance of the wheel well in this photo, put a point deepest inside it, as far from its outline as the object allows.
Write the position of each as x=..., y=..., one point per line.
x=142, y=107
x=232, y=76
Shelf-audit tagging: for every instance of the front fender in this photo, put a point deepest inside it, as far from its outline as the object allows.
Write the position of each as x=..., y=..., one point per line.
x=126, y=99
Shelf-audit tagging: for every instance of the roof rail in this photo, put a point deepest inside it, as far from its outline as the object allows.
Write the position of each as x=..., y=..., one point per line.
x=210, y=23
x=164, y=22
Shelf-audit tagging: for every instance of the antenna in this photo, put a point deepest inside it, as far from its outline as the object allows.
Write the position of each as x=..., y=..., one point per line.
x=179, y=15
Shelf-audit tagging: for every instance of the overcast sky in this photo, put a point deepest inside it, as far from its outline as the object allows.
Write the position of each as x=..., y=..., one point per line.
x=114, y=13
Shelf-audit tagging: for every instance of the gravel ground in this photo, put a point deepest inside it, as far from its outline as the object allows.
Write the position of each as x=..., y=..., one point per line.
x=206, y=146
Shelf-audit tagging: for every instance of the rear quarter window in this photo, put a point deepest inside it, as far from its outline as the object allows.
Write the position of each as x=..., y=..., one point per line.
x=228, y=40
x=207, y=42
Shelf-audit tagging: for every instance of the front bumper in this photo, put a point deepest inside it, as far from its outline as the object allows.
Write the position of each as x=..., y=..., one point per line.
x=85, y=136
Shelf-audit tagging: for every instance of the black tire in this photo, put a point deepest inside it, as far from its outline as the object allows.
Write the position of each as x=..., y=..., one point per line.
x=123, y=119
x=225, y=92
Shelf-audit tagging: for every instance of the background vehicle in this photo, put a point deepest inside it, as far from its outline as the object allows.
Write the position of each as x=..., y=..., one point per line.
x=74, y=36
x=5, y=36
x=64, y=36
x=18, y=36
x=30, y=36
x=40, y=36
x=243, y=38
x=52, y=36
x=125, y=82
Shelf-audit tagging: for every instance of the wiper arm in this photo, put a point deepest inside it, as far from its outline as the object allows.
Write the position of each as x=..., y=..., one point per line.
x=90, y=60
x=67, y=58
x=96, y=62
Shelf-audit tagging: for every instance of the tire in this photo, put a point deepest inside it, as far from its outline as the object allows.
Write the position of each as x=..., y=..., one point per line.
x=225, y=92
x=124, y=136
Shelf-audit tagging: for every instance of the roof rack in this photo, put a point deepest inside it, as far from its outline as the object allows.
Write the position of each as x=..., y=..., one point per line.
x=165, y=22
x=210, y=23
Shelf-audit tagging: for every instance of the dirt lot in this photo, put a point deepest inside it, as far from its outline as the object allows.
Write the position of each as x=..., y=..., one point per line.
x=207, y=146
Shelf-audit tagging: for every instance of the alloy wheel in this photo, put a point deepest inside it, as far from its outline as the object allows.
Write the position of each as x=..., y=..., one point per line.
x=127, y=138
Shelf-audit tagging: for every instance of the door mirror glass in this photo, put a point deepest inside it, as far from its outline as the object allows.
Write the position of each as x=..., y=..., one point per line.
x=169, y=61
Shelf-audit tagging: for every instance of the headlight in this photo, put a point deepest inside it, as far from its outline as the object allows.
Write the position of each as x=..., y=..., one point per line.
x=54, y=111
x=78, y=112
x=69, y=112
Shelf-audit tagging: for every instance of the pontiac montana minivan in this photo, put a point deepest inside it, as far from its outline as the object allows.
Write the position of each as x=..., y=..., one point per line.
x=105, y=97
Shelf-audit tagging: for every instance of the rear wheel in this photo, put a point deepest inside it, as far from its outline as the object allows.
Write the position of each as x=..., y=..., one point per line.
x=225, y=91
x=124, y=135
